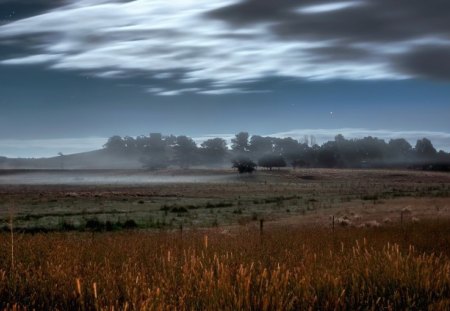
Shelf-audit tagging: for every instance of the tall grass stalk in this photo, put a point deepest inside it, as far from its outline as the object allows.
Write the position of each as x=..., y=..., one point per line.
x=295, y=269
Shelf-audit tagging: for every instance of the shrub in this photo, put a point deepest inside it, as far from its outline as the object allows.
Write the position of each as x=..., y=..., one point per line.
x=244, y=165
x=179, y=210
x=272, y=160
x=94, y=224
x=129, y=224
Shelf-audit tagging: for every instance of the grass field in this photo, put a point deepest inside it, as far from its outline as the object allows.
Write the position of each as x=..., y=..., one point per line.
x=282, y=240
x=202, y=198
x=283, y=269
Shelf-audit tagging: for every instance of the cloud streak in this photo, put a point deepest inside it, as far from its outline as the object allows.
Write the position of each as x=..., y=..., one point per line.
x=216, y=47
x=328, y=7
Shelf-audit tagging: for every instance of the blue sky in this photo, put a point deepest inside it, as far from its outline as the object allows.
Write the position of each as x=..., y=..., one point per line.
x=81, y=71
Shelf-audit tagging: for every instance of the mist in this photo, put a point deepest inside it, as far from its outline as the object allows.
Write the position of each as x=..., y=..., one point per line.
x=158, y=152
x=49, y=147
x=224, y=155
x=105, y=178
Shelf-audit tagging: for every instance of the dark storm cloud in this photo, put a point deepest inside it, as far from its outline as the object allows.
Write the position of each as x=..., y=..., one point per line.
x=11, y=10
x=219, y=46
x=340, y=53
x=360, y=20
x=383, y=24
x=428, y=62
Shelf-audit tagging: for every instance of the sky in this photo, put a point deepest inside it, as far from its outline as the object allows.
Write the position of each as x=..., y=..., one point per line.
x=74, y=72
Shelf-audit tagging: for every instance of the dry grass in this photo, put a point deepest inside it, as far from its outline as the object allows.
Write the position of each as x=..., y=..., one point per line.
x=284, y=269
x=286, y=196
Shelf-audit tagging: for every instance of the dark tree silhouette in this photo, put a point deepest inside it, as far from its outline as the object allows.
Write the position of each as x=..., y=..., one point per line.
x=288, y=147
x=142, y=143
x=170, y=141
x=156, y=155
x=347, y=150
x=239, y=144
x=424, y=149
x=214, y=150
x=399, y=149
x=328, y=155
x=299, y=163
x=272, y=160
x=185, y=151
x=371, y=148
x=244, y=165
x=130, y=144
x=260, y=145
x=156, y=144
x=158, y=151
x=115, y=144
x=154, y=163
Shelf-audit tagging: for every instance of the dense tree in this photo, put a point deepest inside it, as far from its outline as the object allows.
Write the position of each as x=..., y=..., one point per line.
x=312, y=154
x=347, y=150
x=185, y=151
x=424, y=149
x=399, y=149
x=244, y=165
x=170, y=141
x=239, y=144
x=299, y=163
x=154, y=163
x=156, y=154
x=115, y=144
x=272, y=160
x=442, y=156
x=260, y=145
x=214, y=150
x=157, y=151
x=156, y=144
x=288, y=147
x=371, y=148
x=142, y=143
x=304, y=156
x=328, y=155
x=130, y=144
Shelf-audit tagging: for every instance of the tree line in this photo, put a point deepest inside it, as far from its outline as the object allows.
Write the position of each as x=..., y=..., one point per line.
x=157, y=151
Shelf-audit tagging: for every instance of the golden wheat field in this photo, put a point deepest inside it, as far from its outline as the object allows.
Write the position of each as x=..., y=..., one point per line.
x=330, y=240
x=392, y=268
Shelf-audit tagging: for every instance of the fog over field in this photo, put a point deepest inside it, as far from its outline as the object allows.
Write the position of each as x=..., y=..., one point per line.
x=37, y=148
x=224, y=155
x=103, y=178
x=218, y=69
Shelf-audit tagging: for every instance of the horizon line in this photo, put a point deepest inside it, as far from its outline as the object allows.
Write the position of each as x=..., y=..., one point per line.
x=50, y=147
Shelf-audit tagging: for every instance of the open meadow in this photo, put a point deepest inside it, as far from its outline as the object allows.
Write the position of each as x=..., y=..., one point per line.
x=224, y=155
x=105, y=200
x=212, y=239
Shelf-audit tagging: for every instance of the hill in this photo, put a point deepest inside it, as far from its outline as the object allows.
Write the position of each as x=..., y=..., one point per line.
x=97, y=159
